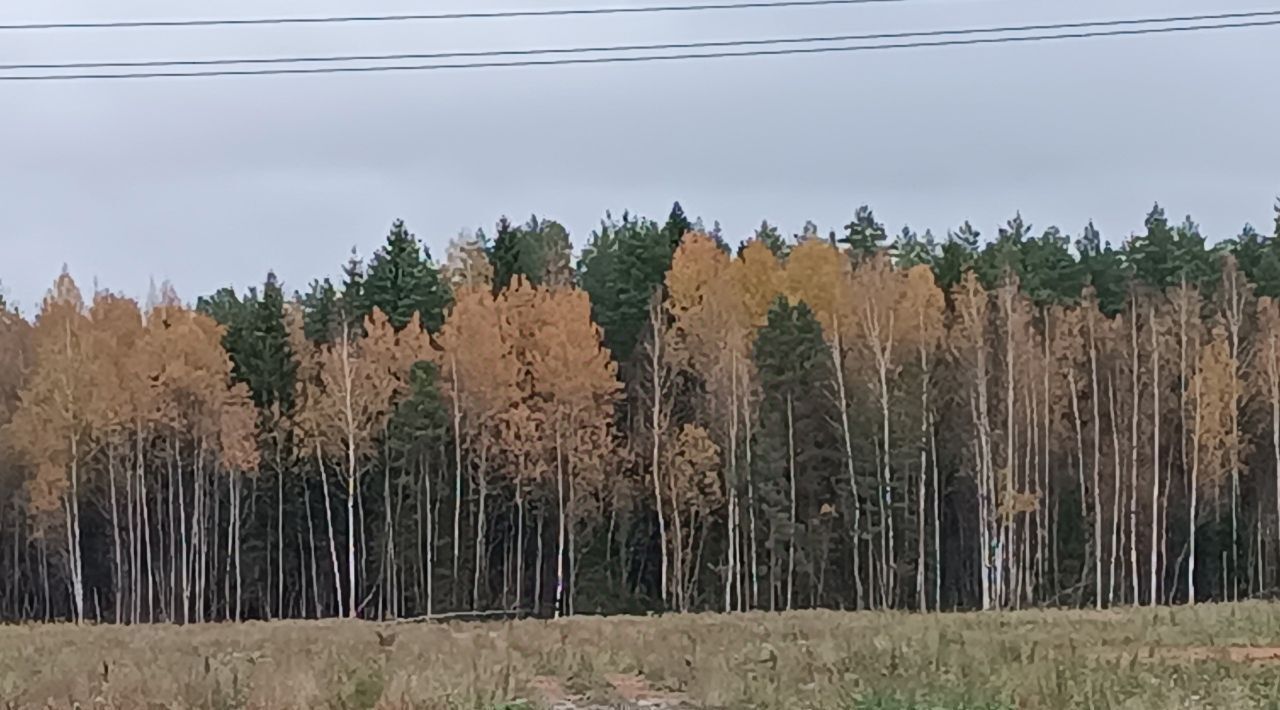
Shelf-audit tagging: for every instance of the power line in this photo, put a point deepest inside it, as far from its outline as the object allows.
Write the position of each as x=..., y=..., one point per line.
x=631, y=59
x=490, y=15
x=637, y=47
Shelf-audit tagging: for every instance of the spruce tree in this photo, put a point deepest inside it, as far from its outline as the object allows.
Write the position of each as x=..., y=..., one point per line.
x=796, y=442
x=402, y=280
x=621, y=267
x=539, y=251
x=676, y=227
x=320, y=312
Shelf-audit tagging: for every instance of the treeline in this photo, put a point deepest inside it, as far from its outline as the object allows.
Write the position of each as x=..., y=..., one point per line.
x=845, y=420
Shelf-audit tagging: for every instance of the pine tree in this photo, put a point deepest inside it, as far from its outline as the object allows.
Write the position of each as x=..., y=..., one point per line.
x=956, y=256
x=1103, y=268
x=768, y=235
x=864, y=236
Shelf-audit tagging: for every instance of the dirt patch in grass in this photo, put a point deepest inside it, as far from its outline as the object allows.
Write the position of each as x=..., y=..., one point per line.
x=624, y=691
x=1267, y=655
x=636, y=691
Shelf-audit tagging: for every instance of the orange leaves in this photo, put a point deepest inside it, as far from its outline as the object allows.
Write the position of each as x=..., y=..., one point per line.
x=479, y=368
x=115, y=336
x=968, y=334
x=351, y=396
x=715, y=306
x=821, y=276
x=693, y=468
x=572, y=373
x=187, y=370
x=1214, y=388
x=922, y=306
x=758, y=276
x=237, y=430
x=52, y=419
x=525, y=364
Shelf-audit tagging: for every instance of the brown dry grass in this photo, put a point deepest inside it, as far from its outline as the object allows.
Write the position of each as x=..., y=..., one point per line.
x=1208, y=656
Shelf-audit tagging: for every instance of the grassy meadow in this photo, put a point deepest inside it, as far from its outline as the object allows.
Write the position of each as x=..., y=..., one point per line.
x=1211, y=656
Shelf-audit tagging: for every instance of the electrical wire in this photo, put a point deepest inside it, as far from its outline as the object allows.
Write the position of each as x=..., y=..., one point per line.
x=968, y=41
x=636, y=47
x=483, y=15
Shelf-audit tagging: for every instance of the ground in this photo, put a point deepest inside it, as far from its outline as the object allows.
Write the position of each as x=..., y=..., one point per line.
x=1209, y=656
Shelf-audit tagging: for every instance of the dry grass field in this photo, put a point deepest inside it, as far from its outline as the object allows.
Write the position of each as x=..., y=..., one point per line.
x=1202, y=657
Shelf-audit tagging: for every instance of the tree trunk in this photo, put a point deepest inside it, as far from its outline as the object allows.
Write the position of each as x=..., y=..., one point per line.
x=481, y=525
x=1273, y=379
x=146, y=533
x=351, y=535
x=333, y=547
x=1115, y=492
x=1194, y=512
x=1133, y=463
x=887, y=543
x=1155, y=458
x=736, y=542
x=519, y=546
x=791, y=477
x=73, y=535
x=1095, y=395
x=655, y=414
x=937, y=513
x=235, y=531
x=429, y=571
x=280, y=611
x=117, y=554
x=560, y=535
x=457, y=471
x=311, y=546
x=837, y=366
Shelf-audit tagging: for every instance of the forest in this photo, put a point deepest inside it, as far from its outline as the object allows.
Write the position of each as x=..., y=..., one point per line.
x=662, y=421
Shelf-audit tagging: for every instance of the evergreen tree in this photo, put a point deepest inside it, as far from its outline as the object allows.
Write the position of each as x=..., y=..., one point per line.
x=864, y=235
x=420, y=425
x=1050, y=274
x=956, y=256
x=351, y=301
x=256, y=339
x=1103, y=268
x=912, y=249
x=402, y=280
x=676, y=227
x=810, y=231
x=538, y=250
x=1259, y=257
x=797, y=440
x=717, y=236
x=770, y=237
x=320, y=312
x=620, y=269
x=1004, y=254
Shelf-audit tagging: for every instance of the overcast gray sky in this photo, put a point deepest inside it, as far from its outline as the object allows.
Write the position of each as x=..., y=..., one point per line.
x=209, y=182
